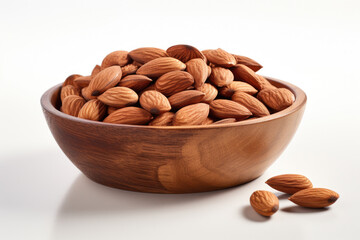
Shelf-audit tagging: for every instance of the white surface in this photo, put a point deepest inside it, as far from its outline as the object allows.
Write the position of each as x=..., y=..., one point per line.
x=312, y=44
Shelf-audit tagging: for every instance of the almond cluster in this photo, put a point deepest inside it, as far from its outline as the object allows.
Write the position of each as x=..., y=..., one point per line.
x=179, y=86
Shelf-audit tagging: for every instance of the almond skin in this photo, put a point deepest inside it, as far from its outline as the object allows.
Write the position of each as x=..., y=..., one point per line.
x=120, y=58
x=223, y=108
x=93, y=110
x=194, y=114
x=289, y=183
x=221, y=76
x=229, y=90
x=265, y=203
x=129, y=69
x=250, y=63
x=82, y=81
x=199, y=70
x=244, y=73
x=256, y=107
x=68, y=90
x=70, y=79
x=72, y=105
x=220, y=57
x=207, y=121
x=154, y=102
x=173, y=82
x=160, y=66
x=314, y=197
x=184, y=52
x=225, y=120
x=146, y=54
x=95, y=70
x=105, y=79
x=276, y=98
x=164, y=119
x=119, y=97
x=210, y=92
x=110, y=109
x=135, y=82
x=184, y=98
x=129, y=115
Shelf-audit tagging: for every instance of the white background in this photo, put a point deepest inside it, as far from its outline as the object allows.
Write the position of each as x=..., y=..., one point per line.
x=312, y=44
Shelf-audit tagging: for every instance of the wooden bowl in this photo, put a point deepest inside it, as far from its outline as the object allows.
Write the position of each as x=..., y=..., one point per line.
x=178, y=159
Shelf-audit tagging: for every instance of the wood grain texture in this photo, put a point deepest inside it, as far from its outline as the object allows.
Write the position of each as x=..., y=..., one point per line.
x=173, y=159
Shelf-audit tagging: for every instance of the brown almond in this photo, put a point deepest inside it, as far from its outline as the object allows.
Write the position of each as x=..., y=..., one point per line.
x=164, y=119
x=229, y=90
x=154, y=102
x=289, y=183
x=146, y=54
x=221, y=76
x=198, y=69
x=105, y=79
x=72, y=104
x=86, y=94
x=276, y=98
x=220, y=57
x=111, y=109
x=256, y=107
x=129, y=69
x=70, y=79
x=225, y=120
x=207, y=121
x=244, y=73
x=82, y=81
x=150, y=87
x=174, y=82
x=314, y=197
x=129, y=115
x=95, y=70
x=265, y=203
x=160, y=66
x=208, y=71
x=119, y=58
x=119, y=97
x=184, y=98
x=135, y=82
x=223, y=108
x=255, y=66
x=184, y=52
x=68, y=90
x=194, y=114
x=210, y=92
x=92, y=110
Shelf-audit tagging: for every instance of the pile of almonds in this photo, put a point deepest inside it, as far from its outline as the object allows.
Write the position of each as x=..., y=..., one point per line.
x=179, y=86
x=299, y=187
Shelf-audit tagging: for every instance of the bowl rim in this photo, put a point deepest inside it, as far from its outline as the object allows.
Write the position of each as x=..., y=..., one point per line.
x=300, y=101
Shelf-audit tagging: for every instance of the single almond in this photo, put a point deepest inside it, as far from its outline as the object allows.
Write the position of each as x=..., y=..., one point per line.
x=220, y=57
x=68, y=90
x=70, y=79
x=255, y=66
x=221, y=76
x=146, y=54
x=244, y=73
x=210, y=92
x=129, y=115
x=150, y=87
x=184, y=98
x=256, y=107
x=264, y=203
x=289, y=183
x=198, y=69
x=164, y=119
x=129, y=69
x=92, y=110
x=314, y=197
x=229, y=90
x=105, y=79
x=119, y=58
x=173, y=82
x=184, y=52
x=223, y=108
x=154, y=102
x=135, y=82
x=119, y=97
x=110, y=109
x=82, y=81
x=160, y=66
x=276, y=98
x=72, y=104
x=207, y=121
x=194, y=114
x=208, y=71
x=95, y=70
x=225, y=120
x=86, y=94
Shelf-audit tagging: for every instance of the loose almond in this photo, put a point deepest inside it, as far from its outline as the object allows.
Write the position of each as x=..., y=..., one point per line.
x=244, y=73
x=146, y=54
x=210, y=92
x=199, y=70
x=68, y=90
x=229, y=90
x=220, y=57
x=135, y=82
x=82, y=81
x=194, y=114
x=92, y=110
x=256, y=107
x=250, y=63
x=129, y=69
x=225, y=120
x=173, y=82
x=164, y=119
x=160, y=66
x=129, y=115
x=95, y=70
x=72, y=104
x=265, y=203
x=223, y=108
x=154, y=102
x=207, y=121
x=119, y=97
x=110, y=109
x=119, y=58
x=221, y=76
x=184, y=53
x=70, y=79
x=105, y=79
x=289, y=183
x=184, y=98
x=276, y=98
x=314, y=197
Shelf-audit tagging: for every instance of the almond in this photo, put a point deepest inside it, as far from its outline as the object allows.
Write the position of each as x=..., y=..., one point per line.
x=276, y=98
x=111, y=109
x=265, y=203
x=68, y=90
x=184, y=52
x=210, y=92
x=223, y=108
x=150, y=87
x=164, y=119
x=72, y=105
x=105, y=79
x=70, y=79
x=154, y=102
x=198, y=69
x=160, y=66
x=119, y=97
x=225, y=120
x=92, y=110
x=208, y=71
x=120, y=58
x=95, y=70
x=255, y=66
x=173, y=82
x=135, y=82
x=82, y=81
x=129, y=115
x=194, y=114
x=256, y=107
x=229, y=90
x=244, y=73
x=221, y=76
x=207, y=121
x=289, y=183
x=129, y=69
x=184, y=98
x=85, y=94
x=220, y=57
x=314, y=197
x=146, y=54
